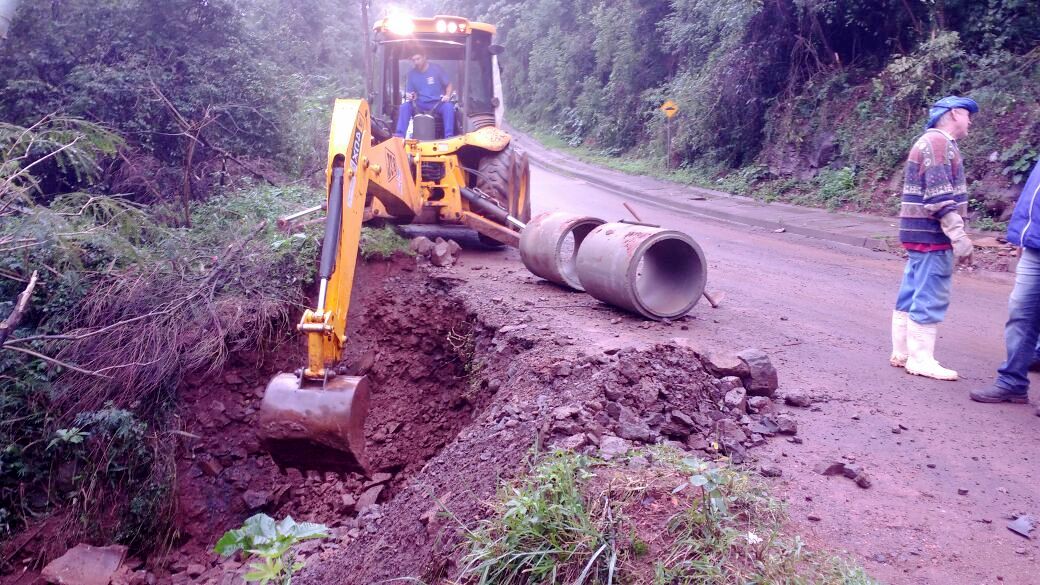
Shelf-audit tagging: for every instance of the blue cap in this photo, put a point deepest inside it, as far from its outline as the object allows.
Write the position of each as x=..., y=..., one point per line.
x=948, y=103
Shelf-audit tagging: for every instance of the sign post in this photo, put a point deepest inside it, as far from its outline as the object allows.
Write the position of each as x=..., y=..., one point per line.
x=670, y=109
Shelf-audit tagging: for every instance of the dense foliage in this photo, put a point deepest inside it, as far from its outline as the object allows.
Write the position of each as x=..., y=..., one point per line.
x=789, y=92
x=139, y=140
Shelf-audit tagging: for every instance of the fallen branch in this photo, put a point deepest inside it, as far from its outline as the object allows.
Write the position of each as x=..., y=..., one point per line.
x=11, y=322
x=55, y=361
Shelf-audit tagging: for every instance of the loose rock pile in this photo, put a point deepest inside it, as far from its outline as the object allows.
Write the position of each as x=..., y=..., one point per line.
x=439, y=252
x=667, y=394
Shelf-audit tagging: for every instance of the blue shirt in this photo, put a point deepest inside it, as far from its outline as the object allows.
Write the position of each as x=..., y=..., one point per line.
x=428, y=85
x=1024, y=227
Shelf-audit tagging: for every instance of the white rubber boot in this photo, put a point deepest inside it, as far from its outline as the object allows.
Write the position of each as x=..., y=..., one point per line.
x=921, y=361
x=899, y=349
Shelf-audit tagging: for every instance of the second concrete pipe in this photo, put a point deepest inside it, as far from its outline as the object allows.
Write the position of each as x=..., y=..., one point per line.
x=550, y=242
x=655, y=272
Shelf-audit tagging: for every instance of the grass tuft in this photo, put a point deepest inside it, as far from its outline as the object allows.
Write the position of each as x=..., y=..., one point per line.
x=680, y=521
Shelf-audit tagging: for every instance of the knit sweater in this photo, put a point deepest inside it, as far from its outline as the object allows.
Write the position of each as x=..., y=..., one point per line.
x=933, y=185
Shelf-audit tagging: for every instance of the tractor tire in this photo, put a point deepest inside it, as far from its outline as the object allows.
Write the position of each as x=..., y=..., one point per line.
x=505, y=176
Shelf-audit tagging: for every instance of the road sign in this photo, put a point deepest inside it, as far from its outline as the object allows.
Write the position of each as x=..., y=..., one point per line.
x=669, y=108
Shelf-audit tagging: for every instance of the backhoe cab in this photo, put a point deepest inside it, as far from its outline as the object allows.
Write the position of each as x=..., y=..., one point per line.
x=314, y=418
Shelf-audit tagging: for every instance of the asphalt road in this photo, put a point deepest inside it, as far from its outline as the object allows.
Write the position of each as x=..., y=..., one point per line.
x=822, y=311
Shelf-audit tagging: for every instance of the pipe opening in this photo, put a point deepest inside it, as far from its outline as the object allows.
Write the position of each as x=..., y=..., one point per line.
x=669, y=278
x=567, y=252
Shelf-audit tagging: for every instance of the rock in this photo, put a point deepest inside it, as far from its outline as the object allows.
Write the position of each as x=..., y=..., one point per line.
x=851, y=470
x=510, y=328
x=863, y=480
x=962, y=491
x=631, y=427
x=736, y=399
x=211, y=467
x=770, y=470
x=369, y=497
x=441, y=255
x=786, y=425
x=1022, y=525
x=639, y=462
x=813, y=518
x=347, y=501
x=762, y=379
x=255, y=499
x=799, y=399
x=561, y=370
x=758, y=404
x=630, y=372
x=454, y=248
x=613, y=447
x=830, y=468
x=194, y=570
x=378, y=478
x=722, y=365
x=729, y=383
x=421, y=245
x=729, y=431
x=573, y=442
x=233, y=378
x=85, y=565
x=764, y=426
x=678, y=425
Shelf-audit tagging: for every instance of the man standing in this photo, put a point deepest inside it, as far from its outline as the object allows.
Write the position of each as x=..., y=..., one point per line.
x=931, y=228
x=1023, y=324
x=429, y=88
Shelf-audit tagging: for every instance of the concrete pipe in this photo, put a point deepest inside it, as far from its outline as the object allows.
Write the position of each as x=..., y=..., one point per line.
x=654, y=272
x=550, y=242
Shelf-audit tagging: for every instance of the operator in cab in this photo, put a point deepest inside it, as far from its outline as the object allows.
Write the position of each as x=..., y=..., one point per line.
x=428, y=89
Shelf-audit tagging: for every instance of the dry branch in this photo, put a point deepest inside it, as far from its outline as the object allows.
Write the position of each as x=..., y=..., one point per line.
x=11, y=322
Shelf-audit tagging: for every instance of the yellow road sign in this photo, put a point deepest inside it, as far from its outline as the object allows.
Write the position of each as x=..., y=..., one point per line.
x=669, y=108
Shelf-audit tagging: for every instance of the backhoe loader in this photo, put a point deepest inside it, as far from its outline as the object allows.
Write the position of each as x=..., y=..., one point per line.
x=314, y=418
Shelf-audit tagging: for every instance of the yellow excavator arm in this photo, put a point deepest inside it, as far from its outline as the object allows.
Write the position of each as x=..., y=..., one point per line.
x=314, y=419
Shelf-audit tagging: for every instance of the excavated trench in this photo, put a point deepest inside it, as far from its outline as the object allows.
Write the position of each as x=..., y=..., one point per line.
x=417, y=344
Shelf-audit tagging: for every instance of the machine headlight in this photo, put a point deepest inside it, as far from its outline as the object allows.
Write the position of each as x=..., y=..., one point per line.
x=452, y=27
x=441, y=26
x=400, y=24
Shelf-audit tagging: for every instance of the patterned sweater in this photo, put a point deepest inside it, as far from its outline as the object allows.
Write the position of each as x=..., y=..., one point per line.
x=933, y=185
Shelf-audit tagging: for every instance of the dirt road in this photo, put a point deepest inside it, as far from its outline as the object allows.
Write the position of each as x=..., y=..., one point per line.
x=822, y=311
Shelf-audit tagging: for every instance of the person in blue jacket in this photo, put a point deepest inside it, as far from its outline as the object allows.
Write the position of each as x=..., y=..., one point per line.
x=428, y=88
x=1023, y=324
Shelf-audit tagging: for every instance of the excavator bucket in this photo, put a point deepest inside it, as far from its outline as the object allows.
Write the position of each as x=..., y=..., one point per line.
x=316, y=428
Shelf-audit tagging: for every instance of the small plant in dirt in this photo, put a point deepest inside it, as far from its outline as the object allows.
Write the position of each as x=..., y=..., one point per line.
x=270, y=543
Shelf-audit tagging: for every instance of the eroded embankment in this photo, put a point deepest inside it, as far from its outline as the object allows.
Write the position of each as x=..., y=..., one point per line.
x=459, y=402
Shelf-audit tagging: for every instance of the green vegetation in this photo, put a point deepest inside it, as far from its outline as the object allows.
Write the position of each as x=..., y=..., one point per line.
x=579, y=520
x=271, y=542
x=793, y=90
x=383, y=243
x=143, y=145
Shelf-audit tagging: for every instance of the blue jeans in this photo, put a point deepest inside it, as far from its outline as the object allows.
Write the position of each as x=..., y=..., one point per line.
x=1023, y=324
x=445, y=109
x=925, y=290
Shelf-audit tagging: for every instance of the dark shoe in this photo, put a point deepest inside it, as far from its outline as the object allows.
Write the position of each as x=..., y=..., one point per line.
x=1035, y=366
x=995, y=394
